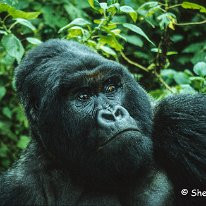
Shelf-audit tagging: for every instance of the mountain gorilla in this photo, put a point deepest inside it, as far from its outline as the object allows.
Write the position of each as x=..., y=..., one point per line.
x=96, y=140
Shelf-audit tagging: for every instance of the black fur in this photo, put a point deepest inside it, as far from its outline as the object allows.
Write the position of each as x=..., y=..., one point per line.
x=180, y=143
x=95, y=137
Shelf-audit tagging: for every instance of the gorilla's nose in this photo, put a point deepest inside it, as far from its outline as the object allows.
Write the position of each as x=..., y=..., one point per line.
x=107, y=117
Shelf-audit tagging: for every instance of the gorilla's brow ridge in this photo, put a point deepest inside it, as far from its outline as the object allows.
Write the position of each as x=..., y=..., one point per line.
x=88, y=77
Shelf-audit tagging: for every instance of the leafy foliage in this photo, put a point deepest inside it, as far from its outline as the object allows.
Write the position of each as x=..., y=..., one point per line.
x=162, y=43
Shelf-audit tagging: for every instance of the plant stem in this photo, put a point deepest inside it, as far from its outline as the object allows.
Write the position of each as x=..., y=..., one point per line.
x=176, y=5
x=133, y=63
x=190, y=23
x=162, y=81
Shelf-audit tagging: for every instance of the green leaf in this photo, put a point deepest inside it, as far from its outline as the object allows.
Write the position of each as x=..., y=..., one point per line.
x=189, y=5
x=200, y=69
x=5, y=128
x=108, y=50
x=110, y=2
x=53, y=18
x=134, y=39
x=103, y=6
x=185, y=89
x=7, y=112
x=137, y=30
x=110, y=41
x=193, y=48
x=197, y=82
x=3, y=32
x=13, y=46
x=156, y=50
x=92, y=43
x=167, y=20
x=75, y=31
x=17, y=13
x=169, y=53
x=76, y=22
x=129, y=10
x=181, y=78
x=149, y=8
x=2, y=92
x=26, y=23
x=100, y=21
x=148, y=5
x=159, y=93
x=34, y=41
x=94, y=4
x=113, y=8
x=23, y=142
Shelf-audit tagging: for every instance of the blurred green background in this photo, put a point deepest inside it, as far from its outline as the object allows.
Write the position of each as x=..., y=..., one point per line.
x=162, y=43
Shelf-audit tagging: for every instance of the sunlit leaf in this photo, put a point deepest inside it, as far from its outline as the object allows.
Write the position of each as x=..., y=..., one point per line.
x=13, y=46
x=18, y=13
x=169, y=53
x=34, y=41
x=197, y=82
x=167, y=20
x=76, y=22
x=25, y=23
x=113, y=8
x=137, y=30
x=3, y=32
x=23, y=142
x=129, y=10
x=200, y=69
x=134, y=39
x=116, y=31
x=94, y=4
x=181, y=78
x=110, y=41
x=108, y=50
x=75, y=31
x=190, y=5
x=103, y=6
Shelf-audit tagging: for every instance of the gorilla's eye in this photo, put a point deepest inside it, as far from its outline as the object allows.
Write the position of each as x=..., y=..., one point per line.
x=112, y=84
x=111, y=88
x=84, y=95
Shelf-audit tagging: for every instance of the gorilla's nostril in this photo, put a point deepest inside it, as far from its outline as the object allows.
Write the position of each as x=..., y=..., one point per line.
x=118, y=113
x=108, y=116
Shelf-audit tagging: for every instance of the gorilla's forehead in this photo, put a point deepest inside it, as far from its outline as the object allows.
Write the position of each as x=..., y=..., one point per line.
x=95, y=76
x=90, y=65
x=57, y=60
x=89, y=62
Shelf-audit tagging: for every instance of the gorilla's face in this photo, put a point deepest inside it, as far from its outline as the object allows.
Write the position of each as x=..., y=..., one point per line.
x=87, y=111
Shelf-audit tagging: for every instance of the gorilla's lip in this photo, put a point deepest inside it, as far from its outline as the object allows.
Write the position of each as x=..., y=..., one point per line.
x=115, y=136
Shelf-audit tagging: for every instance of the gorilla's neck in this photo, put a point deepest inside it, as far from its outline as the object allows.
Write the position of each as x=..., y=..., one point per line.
x=150, y=187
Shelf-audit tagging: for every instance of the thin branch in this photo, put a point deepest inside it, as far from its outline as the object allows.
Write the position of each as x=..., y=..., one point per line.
x=163, y=82
x=176, y=5
x=191, y=23
x=133, y=63
x=147, y=70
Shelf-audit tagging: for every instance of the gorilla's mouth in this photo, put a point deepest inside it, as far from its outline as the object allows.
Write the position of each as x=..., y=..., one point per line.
x=116, y=135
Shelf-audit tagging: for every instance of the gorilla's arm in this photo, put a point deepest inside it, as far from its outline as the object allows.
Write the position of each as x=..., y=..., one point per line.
x=180, y=139
x=35, y=180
